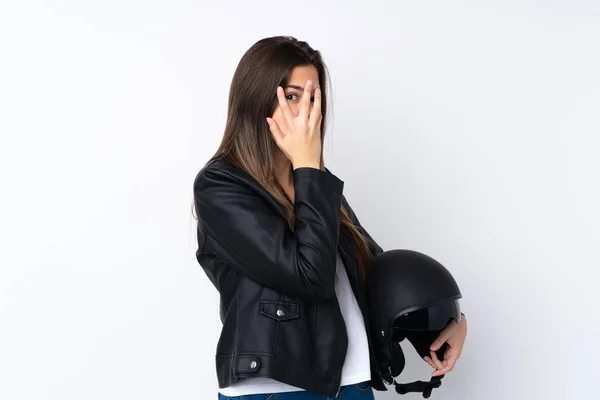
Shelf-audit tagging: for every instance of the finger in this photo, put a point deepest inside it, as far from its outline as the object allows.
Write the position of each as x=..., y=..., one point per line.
x=449, y=364
x=274, y=128
x=450, y=359
x=305, y=102
x=315, y=114
x=428, y=360
x=441, y=339
x=285, y=108
x=434, y=363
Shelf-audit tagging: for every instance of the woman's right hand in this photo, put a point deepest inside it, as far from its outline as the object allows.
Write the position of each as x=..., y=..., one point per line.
x=300, y=136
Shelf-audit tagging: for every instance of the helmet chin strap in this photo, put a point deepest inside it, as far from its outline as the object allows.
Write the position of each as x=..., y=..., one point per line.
x=414, y=387
x=420, y=386
x=397, y=363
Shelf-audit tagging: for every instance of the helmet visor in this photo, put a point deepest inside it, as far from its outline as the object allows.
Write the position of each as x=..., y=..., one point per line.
x=432, y=318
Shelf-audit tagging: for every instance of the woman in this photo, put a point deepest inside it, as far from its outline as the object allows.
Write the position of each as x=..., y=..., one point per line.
x=281, y=244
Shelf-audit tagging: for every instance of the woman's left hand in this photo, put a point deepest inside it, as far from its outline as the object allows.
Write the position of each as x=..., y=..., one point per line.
x=455, y=335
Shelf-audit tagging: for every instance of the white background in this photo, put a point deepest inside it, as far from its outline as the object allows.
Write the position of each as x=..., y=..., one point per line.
x=465, y=130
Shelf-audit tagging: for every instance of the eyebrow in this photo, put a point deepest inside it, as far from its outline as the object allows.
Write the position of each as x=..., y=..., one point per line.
x=295, y=87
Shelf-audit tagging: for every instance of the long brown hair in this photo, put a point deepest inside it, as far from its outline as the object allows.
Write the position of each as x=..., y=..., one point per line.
x=247, y=141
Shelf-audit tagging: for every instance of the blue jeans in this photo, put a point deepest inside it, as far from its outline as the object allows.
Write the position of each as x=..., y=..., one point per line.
x=358, y=391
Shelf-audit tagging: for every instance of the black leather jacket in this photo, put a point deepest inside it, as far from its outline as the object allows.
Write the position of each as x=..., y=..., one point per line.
x=281, y=318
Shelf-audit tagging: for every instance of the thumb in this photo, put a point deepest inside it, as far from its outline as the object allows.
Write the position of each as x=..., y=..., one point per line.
x=437, y=343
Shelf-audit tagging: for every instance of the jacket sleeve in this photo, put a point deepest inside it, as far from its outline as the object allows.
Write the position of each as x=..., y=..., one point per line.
x=373, y=246
x=250, y=236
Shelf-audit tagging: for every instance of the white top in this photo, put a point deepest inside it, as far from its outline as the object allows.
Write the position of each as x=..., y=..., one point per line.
x=356, y=365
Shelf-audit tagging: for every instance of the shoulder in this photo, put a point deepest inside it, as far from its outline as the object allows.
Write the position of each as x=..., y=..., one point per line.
x=217, y=172
x=224, y=191
x=221, y=181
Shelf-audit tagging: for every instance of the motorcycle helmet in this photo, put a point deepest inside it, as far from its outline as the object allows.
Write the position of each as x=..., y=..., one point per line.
x=411, y=296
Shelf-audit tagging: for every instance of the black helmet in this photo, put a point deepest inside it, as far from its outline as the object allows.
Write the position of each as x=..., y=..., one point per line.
x=411, y=296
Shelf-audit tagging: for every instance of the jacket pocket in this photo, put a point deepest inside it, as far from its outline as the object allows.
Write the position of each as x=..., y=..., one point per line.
x=280, y=310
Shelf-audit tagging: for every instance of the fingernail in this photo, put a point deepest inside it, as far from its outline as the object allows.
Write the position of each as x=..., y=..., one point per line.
x=268, y=121
x=309, y=82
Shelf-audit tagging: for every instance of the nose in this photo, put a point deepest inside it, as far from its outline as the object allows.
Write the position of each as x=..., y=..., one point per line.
x=297, y=109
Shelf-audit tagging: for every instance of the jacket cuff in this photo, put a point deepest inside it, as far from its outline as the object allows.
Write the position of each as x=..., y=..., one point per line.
x=325, y=178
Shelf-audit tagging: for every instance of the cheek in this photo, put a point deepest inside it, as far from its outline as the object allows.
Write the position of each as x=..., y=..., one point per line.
x=278, y=115
x=295, y=108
